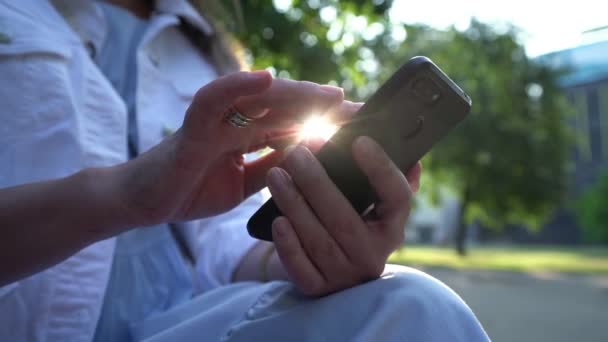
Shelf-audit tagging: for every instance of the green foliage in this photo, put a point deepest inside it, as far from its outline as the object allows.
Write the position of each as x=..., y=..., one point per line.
x=511, y=152
x=592, y=211
x=589, y=260
x=297, y=41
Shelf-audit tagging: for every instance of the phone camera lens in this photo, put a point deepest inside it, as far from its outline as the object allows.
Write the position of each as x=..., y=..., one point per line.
x=427, y=90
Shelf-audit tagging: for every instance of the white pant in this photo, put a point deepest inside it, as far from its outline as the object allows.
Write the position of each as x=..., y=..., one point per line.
x=405, y=305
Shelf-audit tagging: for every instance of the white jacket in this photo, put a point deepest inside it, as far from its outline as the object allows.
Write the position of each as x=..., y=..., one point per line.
x=59, y=114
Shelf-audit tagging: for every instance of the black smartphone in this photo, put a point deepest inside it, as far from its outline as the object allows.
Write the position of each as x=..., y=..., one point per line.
x=413, y=110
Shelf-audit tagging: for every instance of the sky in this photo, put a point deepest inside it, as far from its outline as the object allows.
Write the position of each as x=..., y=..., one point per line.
x=548, y=25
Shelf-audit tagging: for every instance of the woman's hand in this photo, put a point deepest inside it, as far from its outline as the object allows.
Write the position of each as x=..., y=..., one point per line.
x=199, y=171
x=196, y=172
x=323, y=243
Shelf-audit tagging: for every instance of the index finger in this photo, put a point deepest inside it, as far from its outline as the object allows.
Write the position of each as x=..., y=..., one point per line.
x=389, y=183
x=293, y=98
x=338, y=115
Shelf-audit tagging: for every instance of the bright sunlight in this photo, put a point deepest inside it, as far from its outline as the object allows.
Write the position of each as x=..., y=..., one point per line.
x=317, y=126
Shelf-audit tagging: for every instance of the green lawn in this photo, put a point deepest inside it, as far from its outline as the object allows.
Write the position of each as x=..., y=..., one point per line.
x=524, y=259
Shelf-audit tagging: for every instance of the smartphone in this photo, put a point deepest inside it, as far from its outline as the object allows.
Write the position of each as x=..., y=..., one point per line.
x=408, y=114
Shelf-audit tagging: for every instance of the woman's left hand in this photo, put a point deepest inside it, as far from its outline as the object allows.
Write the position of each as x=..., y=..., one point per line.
x=324, y=245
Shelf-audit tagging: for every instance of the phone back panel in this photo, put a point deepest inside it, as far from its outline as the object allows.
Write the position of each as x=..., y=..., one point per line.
x=413, y=110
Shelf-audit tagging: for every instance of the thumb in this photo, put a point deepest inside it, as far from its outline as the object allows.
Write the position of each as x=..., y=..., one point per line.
x=255, y=171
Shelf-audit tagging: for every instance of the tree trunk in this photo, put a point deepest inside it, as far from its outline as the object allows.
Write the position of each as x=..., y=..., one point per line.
x=463, y=227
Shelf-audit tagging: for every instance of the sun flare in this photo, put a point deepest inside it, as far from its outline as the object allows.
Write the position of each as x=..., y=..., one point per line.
x=317, y=126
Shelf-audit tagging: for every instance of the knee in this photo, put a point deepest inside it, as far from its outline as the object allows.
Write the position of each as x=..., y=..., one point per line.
x=415, y=285
x=413, y=290
x=425, y=304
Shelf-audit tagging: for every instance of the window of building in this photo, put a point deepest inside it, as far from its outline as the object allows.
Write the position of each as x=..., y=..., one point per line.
x=583, y=139
x=602, y=107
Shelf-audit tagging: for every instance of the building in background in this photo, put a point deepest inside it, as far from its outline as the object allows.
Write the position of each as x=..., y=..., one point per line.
x=586, y=87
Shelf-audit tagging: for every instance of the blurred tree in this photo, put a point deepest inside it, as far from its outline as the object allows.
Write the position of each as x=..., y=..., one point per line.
x=592, y=212
x=507, y=161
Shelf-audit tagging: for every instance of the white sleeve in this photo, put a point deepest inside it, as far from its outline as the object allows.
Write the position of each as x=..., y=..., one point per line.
x=43, y=101
x=222, y=241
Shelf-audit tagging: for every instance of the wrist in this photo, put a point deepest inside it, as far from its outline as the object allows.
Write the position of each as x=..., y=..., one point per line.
x=158, y=185
x=105, y=212
x=146, y=186
x=261, y=263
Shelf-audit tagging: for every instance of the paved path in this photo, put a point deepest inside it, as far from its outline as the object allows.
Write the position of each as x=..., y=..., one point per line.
x=534, y=307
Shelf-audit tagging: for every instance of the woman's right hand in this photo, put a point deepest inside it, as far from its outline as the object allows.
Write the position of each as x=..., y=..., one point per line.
x=199, y=171
x=196, y=172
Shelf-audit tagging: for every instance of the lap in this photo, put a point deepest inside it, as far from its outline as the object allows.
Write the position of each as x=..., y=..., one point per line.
x=405, y=304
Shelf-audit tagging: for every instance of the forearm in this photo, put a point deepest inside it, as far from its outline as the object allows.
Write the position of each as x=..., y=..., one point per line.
x=261, y=264
x=43, y=223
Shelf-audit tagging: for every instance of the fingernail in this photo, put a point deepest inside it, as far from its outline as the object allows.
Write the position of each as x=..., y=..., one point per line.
x=336, y=91
x=277, y=179
x=259, y=74
x=365, y=143
x=301, y=155
x=280, y=230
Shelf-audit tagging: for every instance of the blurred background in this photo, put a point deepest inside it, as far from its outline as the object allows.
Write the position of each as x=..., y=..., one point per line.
x=513, y=210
